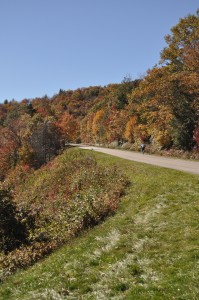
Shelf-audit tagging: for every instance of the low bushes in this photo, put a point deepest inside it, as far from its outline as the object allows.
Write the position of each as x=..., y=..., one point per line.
x=56, y=202
x=13, y=233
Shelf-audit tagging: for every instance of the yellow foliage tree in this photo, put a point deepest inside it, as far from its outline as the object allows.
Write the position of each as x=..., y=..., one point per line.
x=98, y=125
x=130, y=129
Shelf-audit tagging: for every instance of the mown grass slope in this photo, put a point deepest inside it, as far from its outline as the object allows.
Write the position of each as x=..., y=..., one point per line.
x=148, y=250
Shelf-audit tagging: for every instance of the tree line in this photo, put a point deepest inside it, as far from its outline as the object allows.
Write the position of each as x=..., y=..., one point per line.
x=161, y=109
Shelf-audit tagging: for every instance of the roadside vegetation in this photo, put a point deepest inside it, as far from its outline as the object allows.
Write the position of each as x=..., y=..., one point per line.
x=40, y=210
x=147, y=250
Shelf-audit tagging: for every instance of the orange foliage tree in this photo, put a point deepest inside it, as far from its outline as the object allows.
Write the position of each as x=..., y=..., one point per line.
x=69, y=128
x=130, y=129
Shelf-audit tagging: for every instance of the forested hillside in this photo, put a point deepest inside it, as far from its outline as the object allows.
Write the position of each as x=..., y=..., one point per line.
x=161, y=109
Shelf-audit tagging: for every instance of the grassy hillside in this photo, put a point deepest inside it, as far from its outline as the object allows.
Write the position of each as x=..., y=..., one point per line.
x=147, y=250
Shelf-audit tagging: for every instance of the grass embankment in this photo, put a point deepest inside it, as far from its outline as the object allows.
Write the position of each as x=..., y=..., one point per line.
x=148, y=250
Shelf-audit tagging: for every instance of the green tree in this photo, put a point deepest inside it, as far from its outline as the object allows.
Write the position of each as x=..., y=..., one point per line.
x=185, y=116
x=123, y=91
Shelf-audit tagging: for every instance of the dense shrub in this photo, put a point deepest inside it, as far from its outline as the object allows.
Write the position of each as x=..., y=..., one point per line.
x=12, y=232
x=71, y=193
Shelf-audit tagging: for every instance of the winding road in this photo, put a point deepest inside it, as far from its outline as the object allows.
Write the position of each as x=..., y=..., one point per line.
x=172, y=163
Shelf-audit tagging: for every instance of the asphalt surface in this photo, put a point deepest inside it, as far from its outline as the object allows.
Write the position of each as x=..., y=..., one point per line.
x=171, y=163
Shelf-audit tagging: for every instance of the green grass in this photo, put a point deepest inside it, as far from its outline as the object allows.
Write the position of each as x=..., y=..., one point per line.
x=148, y=250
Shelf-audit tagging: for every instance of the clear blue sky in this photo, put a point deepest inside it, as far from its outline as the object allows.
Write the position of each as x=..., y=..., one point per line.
x=51, y=44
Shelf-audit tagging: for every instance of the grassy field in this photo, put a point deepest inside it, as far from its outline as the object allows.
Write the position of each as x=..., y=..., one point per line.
x=148, y=250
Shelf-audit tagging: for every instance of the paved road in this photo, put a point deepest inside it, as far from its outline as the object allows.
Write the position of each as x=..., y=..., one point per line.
x=172, y=163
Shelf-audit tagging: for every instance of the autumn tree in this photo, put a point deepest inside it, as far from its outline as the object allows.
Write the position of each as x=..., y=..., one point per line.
x=116, y=125
x=183, y=36
x=44, y=139
x=196, y=136
x=42, y=106
x=98, y=125
x=68, y=127
x=190, y=57
x=86, y=132
x=181, y=54
x=130, y=130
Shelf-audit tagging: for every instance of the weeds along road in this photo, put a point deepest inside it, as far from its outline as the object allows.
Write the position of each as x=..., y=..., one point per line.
x=171, y=163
